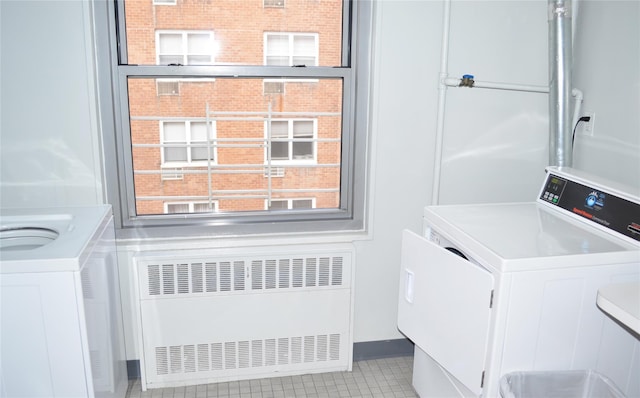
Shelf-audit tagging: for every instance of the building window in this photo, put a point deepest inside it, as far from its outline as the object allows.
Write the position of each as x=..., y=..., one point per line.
x=164, y=2
x=291, y=140
x=186, y=143
x=291, y=49
x=290, y=204
x=311, y=143
x=190, y=207
x=184, y=48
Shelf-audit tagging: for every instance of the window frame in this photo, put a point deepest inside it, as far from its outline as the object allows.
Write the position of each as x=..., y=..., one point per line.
x=114, y=104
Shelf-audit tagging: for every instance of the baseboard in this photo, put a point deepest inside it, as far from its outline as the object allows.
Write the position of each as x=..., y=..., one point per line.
x=361, y=352
x=382, y=349
x=133, y=369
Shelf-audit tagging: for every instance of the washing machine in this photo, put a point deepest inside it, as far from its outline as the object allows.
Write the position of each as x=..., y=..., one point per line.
x=490, y=289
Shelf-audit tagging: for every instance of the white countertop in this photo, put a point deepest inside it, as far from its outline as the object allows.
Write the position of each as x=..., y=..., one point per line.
x=622, y=302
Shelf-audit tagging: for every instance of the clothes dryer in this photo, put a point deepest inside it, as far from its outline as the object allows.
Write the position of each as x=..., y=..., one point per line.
x=495, y=288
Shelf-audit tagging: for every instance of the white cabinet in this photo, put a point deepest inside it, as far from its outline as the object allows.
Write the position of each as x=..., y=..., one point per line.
x=61, y=331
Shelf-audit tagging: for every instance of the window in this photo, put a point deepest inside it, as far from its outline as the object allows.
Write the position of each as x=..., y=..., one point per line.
x=184, y=48
x=197, y=121
x=288, y=204
x=164, y=2
x=292, y=140
x=189, y=207
x=186, y=143
x=291, y=49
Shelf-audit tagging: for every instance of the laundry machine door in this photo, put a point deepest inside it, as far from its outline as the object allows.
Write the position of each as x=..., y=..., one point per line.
x=444, y=307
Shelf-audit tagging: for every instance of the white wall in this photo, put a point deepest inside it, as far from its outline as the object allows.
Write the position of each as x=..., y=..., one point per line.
x=405, y=83
x=607, y=70
x=495, y=142
x=49, y=152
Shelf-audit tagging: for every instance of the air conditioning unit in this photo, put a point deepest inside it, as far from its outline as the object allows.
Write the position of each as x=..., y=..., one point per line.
x=244, y=314
x=273, y=3
x=274, y=171
x=171, y=174
x=273, y=87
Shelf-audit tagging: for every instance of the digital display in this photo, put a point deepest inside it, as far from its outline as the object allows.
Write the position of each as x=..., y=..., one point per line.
x=556, y=184
x=593, y=204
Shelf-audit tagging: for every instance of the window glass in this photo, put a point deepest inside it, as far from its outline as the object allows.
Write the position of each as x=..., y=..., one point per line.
x=212, y=32
x=236, y=109
x=233, y=167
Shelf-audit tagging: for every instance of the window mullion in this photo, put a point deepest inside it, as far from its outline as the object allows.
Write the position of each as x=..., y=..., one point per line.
x=269, y=141
x=291, y=49
x=185, y=48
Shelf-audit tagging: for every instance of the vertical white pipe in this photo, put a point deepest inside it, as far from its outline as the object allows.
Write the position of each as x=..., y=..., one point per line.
x=575, y=4
x=560, y=132
x=442, y=97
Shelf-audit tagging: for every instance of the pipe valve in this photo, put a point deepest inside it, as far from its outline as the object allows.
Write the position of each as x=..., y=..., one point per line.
x=466, y=81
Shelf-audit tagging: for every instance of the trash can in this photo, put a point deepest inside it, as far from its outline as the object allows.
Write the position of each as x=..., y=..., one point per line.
x=558, y=384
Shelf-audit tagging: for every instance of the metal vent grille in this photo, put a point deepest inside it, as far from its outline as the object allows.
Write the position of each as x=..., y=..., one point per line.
x=222, y=315
x=87, y=285
x=205, y=278
x=219, y=356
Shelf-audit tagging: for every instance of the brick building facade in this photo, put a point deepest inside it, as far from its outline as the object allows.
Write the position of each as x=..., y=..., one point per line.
x=298, y=167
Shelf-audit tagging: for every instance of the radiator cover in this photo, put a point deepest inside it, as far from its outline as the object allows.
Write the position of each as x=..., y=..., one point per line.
x=217, y=316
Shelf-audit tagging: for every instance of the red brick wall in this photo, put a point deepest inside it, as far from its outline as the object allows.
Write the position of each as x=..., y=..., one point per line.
x=238, y=27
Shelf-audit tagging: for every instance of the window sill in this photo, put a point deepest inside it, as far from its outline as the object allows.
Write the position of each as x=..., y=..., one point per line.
x=141, y=239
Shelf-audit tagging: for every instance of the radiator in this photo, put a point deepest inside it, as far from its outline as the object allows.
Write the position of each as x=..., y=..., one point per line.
x=208, y=317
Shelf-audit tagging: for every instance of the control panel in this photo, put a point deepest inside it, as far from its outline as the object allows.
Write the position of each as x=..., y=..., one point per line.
x=592, y=203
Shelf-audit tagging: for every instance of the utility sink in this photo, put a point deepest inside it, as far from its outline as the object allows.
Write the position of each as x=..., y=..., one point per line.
x=26, y=238
x=47, y=239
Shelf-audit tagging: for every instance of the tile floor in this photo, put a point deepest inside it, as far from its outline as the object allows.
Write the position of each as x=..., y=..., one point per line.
x=383, y=378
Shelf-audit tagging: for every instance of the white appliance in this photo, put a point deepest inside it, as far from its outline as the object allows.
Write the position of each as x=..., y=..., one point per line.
x=523, y=297
x=61, y=318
